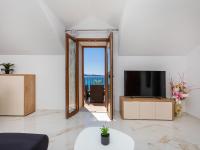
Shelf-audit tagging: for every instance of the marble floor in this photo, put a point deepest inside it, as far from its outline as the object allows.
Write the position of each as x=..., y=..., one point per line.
x=181, y=134
x=95, y=107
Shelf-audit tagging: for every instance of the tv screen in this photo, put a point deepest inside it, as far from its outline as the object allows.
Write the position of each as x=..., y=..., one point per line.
x=145, y=83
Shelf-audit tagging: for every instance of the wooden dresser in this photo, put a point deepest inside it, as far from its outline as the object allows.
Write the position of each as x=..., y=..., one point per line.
x=146, y=108
x=17, y=94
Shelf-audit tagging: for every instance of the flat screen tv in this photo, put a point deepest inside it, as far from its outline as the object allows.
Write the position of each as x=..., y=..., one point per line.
x=145, y=83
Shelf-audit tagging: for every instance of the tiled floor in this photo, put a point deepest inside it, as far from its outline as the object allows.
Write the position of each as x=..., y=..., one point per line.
x=181, y=134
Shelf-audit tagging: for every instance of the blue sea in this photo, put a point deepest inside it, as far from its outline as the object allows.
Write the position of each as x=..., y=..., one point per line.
x=94, y=80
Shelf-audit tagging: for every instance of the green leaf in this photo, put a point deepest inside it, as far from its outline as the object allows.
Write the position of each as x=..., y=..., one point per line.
x=104, y=131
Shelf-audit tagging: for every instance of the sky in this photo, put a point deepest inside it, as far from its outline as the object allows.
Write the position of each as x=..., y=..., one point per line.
x=94, y=61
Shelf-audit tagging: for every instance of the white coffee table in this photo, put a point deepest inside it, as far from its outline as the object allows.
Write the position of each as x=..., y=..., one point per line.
x=90, y=139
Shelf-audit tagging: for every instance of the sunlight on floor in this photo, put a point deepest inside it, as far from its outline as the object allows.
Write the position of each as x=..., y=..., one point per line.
x=98, y=108
x=101, y=116
x=98, y=111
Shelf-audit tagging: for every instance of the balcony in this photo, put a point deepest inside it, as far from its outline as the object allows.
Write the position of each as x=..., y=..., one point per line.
x=94, y=88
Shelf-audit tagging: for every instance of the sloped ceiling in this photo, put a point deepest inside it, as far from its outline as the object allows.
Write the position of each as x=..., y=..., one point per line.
x=160, y=27
x=147, y=27
x=72, y=12
x=29, y=27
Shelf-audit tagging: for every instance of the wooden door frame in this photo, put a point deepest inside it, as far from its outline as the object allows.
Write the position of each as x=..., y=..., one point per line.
x=83, y=87
x=78, y=40
x=92, y=39
x=111, y=72
x=68, y=114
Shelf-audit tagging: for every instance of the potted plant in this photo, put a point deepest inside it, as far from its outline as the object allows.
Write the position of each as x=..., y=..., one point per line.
x=105, y=136
x=8, y=68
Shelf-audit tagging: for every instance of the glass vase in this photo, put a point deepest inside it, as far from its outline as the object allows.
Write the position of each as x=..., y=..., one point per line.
x=178, y=109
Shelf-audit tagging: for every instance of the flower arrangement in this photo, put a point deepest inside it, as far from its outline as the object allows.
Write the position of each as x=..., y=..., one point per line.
x=180, y=91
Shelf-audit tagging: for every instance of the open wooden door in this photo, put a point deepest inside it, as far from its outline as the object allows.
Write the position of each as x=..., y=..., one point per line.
x=109, y=76
x=72, y=76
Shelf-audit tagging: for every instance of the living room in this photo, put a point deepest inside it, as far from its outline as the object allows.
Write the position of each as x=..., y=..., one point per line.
x=147, y=36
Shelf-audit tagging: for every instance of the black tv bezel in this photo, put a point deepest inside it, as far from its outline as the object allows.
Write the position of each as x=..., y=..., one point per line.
x=146, y=96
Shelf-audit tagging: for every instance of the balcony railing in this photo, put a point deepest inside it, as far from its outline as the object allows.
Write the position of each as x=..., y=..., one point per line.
x=93, y=80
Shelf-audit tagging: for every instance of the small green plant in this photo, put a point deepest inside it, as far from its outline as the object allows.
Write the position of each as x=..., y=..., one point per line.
x=8, y=67
x=104, y=131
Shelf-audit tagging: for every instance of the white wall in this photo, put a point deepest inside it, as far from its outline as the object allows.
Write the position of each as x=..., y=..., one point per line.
x=49, y=69
x=193, y=78
x=50, y=73
x=173, y=65
x=31, y=28
x=50, y=77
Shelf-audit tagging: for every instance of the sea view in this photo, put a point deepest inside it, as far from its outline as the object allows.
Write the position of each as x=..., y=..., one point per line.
x=94, y=80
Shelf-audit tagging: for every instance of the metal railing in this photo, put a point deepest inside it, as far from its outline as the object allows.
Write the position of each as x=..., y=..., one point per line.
x=93, y=80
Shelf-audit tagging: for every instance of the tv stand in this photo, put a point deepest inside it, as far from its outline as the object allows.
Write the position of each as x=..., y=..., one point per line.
x=146, y=108
x=144, y=97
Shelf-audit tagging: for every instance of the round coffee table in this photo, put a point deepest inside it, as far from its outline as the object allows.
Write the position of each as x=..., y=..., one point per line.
x=90, y=139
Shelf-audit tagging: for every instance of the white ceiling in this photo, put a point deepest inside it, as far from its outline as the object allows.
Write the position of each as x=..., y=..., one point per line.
x=147, y=27
x=160, y=27
x=72, y=12
x=29, y=27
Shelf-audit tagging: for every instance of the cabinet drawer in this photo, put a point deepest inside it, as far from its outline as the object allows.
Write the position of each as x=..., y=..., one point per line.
x=11, y=95
x=147, y=110
x=164, y=110
x=17, y=94
x=131, y=110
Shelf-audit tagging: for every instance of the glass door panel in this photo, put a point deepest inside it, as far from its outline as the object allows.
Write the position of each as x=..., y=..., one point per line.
x=71, y=76
x=109, y=76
